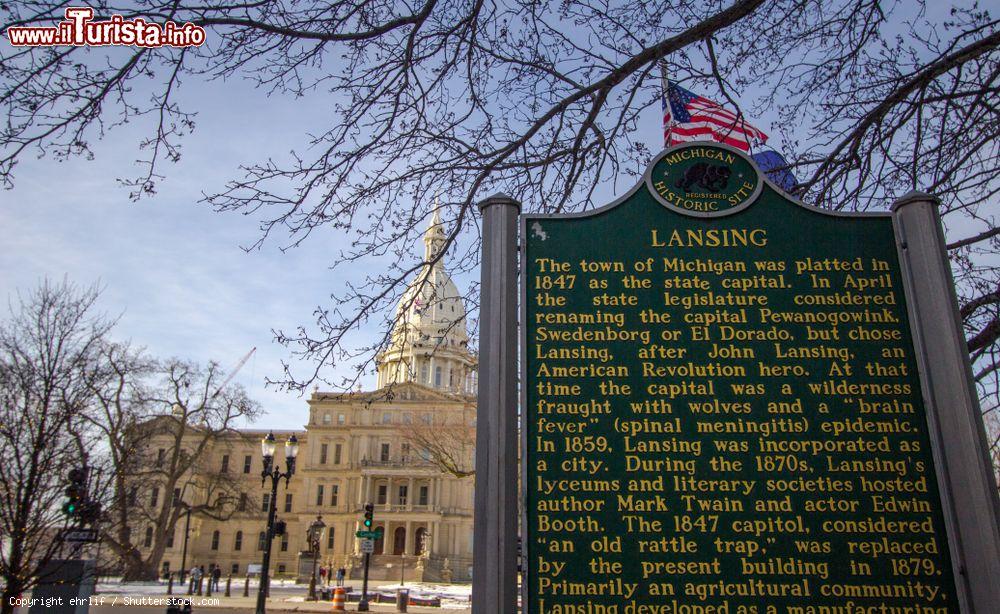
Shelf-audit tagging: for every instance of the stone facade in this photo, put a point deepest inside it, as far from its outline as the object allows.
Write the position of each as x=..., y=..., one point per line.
x=359, y=447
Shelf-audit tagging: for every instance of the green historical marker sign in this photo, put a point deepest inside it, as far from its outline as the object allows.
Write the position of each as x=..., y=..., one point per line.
x=722, y=406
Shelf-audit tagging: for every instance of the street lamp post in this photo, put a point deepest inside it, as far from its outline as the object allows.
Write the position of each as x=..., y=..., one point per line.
x=187, y=530
x=314, y=533
x=267, y=446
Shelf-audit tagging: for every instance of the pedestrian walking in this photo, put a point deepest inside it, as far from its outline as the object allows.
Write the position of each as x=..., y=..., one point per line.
x=195, y=580
x=340, y=576
x=216, y=576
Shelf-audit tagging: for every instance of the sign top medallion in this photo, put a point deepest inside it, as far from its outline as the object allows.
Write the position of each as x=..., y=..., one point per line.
x=704, y=179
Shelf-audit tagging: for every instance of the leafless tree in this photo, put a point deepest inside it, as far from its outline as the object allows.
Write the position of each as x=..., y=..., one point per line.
x=449, y=446
x=71, y=397
x=118, y=385
x=543, y=101
x=52, y=336
x=159, y=422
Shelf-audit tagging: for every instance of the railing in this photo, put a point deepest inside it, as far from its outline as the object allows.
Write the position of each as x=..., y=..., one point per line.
x=433, y=509
x=406, y=461
x=400, y=507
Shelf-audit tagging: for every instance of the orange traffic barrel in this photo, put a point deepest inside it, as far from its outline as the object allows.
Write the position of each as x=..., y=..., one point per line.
x=339, y=600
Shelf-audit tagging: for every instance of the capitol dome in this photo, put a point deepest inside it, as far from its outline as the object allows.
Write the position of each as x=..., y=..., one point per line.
x=429, y=344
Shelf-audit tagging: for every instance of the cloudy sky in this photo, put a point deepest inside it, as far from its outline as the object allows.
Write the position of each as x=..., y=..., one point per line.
x=172, y=268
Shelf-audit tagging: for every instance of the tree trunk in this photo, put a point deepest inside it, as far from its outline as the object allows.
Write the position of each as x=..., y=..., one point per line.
x=16, y=573
x=138, y=570
x=12, y=589
x=135, y=568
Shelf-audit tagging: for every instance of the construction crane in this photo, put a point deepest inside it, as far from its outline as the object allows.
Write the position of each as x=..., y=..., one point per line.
x=236, y=370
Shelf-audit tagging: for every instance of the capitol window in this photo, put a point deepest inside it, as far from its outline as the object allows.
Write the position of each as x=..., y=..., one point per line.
x=386, y=418
x=326, y=418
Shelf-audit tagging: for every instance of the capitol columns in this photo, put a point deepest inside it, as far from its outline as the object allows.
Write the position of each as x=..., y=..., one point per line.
x=958, y=441
x=494, y=578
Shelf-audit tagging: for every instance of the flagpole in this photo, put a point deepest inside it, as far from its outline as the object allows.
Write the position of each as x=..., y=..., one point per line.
x=668, y=116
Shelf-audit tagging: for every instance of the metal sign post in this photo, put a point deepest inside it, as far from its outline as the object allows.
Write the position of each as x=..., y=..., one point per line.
x=494, y=578
x=368, y=547
x=971, y=508
x=363, y=604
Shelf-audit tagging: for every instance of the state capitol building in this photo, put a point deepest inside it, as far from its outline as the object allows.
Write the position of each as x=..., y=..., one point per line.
x=357, y=447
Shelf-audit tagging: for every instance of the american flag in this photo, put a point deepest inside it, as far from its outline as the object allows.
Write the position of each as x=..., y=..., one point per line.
x=690, y=117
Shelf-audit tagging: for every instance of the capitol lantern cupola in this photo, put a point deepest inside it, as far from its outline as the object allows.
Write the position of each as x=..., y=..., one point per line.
x=429, y=344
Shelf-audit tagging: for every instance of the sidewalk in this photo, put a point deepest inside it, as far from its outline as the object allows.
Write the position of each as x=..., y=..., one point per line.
x=297, y=605
x=277, y=604
x=284, y=598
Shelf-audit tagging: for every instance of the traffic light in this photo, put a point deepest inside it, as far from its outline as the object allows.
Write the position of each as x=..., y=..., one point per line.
x=76, y=492
x=369, y=513
x=280, y=527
